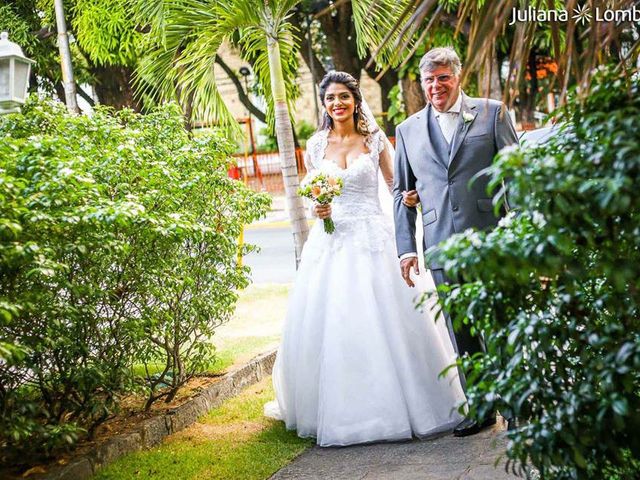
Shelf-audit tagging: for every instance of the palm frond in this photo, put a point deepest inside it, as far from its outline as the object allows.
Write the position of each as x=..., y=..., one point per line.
x=253, y=44
x=577, y=48
x=187, y=37
x=377, y=24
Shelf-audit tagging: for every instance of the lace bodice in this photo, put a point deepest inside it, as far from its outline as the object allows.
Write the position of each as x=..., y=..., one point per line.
x=356, y=213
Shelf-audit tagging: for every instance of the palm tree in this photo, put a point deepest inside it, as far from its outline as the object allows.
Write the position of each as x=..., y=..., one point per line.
x=392, y=29
x=187, y=35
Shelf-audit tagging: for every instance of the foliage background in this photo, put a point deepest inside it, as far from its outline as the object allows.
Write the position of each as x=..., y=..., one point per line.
x=118, y=246
x=554, y=290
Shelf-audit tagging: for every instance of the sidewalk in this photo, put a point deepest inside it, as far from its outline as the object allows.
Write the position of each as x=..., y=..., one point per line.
x=443, y=458
x=277, y=216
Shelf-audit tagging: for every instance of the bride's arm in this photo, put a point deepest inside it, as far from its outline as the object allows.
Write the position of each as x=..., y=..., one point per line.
x=386, y=167
x=409, y=198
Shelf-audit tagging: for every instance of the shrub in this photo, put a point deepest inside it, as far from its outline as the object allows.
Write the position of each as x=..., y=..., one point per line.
x=118, y=246
x=554, y=290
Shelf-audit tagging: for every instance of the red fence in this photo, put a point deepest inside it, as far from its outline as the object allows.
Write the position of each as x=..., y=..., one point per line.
x=262, y=170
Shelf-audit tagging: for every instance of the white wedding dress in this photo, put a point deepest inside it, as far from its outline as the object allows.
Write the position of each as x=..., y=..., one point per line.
x=357, y=362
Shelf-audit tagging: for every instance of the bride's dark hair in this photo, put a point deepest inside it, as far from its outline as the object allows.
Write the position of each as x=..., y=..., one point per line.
x=359, y=119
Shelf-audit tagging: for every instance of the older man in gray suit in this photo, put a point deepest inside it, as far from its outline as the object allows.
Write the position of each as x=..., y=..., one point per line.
x=438, y=151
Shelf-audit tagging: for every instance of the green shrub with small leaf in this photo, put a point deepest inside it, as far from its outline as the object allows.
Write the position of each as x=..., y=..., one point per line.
x=118, y=247
x=555, y=291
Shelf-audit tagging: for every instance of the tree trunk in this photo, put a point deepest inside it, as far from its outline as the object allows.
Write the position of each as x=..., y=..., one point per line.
x=340, y=31
x=412, y=95
x=528, y=100
x=113, y=87
x=387, y=82
x=489, y=79
x=284, y=134
x=65, y=58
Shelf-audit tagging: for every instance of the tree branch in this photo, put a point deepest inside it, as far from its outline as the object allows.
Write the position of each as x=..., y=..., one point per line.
x=44, y=33
x=308, y=57
x=242, y=95
x=87, y=98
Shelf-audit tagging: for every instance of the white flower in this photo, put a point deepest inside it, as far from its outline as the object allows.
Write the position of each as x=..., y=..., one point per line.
x=467, y=117
x=538, y=219
x=507, y=219
x=509, y=149
x=474, y=238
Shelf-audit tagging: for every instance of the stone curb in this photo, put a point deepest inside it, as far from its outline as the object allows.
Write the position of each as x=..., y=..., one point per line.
x=152, y=431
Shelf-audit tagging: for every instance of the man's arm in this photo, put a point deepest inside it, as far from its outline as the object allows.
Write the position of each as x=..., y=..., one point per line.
x=505, y=135
x=505, y=132
x=405, y=217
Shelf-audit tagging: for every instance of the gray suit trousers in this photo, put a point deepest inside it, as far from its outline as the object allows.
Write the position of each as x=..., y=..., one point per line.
x=463, y=341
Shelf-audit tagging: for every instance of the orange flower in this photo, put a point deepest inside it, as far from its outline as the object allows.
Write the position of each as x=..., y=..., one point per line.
x=332, y=181
x=315, y=191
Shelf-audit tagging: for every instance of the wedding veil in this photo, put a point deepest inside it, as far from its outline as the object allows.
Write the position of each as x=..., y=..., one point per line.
x=387, y=200
x=385, y=197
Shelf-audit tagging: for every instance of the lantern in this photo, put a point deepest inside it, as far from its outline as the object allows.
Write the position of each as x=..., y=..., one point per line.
x=14, y=75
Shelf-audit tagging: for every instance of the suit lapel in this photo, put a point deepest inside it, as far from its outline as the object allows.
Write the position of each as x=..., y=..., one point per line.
x=435, y=139
x=468, y=110
x=420, y=138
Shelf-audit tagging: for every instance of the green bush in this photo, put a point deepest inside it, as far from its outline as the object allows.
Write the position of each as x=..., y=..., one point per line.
x=118, y=246
x=269, y=144
x=304, y=130
x=555, y=291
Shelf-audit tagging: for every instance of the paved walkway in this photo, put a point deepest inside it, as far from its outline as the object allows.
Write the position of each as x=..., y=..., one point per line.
x=444, y=458
x=276, y=217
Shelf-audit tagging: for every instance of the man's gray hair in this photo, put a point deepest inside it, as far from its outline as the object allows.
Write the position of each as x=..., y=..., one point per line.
x=441, y=57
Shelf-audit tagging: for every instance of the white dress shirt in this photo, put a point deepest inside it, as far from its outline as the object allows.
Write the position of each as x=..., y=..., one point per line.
x=448, y=122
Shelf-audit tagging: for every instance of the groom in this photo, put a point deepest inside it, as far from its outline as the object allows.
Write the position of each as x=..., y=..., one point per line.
x=438, y=152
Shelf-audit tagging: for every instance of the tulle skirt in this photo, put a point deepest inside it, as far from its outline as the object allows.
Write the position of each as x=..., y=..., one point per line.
x=357, y=362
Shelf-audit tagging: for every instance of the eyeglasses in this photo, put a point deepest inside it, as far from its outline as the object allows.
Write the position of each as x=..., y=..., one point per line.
x=441, y=79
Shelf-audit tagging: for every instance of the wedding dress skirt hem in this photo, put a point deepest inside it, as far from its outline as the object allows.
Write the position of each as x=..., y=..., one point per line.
x=357, y=362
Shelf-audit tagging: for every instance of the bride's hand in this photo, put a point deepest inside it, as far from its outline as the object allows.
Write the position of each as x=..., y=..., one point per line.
x=322, y=211
x=410, y=198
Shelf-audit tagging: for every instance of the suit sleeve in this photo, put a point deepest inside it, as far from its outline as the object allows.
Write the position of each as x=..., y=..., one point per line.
x=405, y=217
x=505, y=132
x=505, y=135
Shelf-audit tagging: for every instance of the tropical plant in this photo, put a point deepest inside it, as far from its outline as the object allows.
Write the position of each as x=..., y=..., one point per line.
x=118, y=247
x=188, y=36
x=555, y=292
x=393, y=30
x=105, y=44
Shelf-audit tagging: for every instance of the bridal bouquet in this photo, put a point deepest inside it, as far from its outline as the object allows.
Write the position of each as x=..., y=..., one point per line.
x=321, y=188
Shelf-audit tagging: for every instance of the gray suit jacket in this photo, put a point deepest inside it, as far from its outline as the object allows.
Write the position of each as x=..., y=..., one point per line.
x=441, y=173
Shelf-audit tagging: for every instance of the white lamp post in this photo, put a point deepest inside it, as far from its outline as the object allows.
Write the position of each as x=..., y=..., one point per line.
x=14, y=75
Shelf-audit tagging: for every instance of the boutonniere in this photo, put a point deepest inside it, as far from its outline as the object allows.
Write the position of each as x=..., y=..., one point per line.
x=467, y=117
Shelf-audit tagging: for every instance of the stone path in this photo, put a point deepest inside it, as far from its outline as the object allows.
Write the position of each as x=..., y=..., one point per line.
x=443, y=458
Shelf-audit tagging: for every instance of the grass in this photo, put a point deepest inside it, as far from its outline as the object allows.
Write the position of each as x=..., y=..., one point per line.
x=238, y=349
x=234, y=441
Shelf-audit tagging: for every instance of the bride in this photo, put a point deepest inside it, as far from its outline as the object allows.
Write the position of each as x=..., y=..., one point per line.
x=357, y=362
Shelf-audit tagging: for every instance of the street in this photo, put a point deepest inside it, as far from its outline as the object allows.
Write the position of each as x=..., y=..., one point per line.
x=275, y=262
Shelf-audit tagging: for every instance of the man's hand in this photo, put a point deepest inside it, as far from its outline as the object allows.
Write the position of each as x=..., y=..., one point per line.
x=322, y=211
x=410, y=198
x=405, y=268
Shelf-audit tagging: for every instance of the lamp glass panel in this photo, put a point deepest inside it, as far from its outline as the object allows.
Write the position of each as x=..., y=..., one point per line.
x=5, y=72
x=21, y=79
